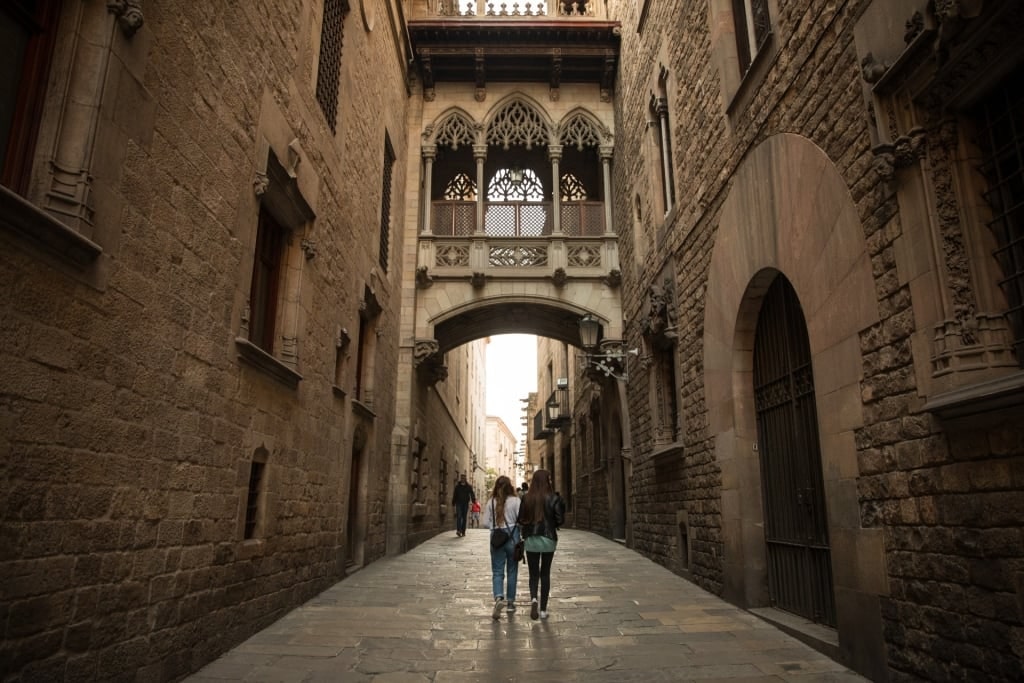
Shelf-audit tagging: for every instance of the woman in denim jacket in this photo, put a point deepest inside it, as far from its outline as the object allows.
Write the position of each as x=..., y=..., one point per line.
x=542, y=512
x=501, y=512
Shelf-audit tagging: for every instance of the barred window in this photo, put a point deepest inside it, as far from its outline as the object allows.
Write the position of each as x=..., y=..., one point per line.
x=329, y=71
x=1001, y=137
x=752, y=25
x=253, y=498
x=385, y=203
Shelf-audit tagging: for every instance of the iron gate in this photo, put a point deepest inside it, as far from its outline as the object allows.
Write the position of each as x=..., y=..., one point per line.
x=796, y=527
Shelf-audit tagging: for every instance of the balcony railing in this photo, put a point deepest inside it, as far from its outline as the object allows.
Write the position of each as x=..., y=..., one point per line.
x=517, y=219
x=517, y=8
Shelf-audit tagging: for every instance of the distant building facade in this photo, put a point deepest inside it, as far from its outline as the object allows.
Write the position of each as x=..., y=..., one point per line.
x=501, y=448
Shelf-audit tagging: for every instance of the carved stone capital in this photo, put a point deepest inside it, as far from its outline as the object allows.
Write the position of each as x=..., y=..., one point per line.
x=613, y=279
x=871, y=69
x=309, y=249
x=884, y=164
x=423, y=278
x=260, y=183
x=559, y=277
x=908, y=149
x=423, y=349
x=978, y=342
x=128, y=14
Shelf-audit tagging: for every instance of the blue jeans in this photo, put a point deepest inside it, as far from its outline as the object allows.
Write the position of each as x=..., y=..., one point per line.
x=461, y=511
x=503, y=563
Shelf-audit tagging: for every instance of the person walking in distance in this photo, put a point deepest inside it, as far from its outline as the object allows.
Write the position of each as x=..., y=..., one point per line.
x=462, y=496
x=542, y=512
x=500, y=515
x=474, y=515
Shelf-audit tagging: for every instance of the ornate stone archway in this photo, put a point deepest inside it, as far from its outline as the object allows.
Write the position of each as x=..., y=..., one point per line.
x=789, y=211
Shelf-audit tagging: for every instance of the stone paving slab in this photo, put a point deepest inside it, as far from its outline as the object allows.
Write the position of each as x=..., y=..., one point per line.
x=425, y=616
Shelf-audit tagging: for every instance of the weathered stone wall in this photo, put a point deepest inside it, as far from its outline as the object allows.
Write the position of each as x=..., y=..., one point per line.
x=128, y=419
x=945, y=494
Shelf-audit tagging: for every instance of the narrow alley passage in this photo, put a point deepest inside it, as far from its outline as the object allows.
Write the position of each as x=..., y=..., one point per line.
x=426, y=616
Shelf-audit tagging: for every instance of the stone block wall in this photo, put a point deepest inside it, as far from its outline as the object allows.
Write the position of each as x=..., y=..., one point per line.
x=943, y=494
x=128, y=419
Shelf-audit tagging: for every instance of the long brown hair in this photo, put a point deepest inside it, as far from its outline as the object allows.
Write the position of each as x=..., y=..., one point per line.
x=533, y=502
x=502, y=490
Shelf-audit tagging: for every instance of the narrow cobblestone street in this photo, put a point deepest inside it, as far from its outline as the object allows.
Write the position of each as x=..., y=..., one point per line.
x=426, y=616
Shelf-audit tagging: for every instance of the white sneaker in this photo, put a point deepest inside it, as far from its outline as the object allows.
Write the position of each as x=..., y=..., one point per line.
x=499, y=603
x=510, y=607
x=543, y=614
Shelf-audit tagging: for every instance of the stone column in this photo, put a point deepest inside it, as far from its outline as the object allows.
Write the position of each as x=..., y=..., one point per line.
x=427, y=152
x=69, y=197
x=606, y=172
x=480, y=154
x=555, y=154
x=661, y=109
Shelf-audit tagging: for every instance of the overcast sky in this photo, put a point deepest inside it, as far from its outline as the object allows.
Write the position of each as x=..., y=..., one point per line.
x=511, y=375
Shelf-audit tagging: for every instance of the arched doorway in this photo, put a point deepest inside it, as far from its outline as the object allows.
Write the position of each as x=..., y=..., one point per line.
x=795, y=519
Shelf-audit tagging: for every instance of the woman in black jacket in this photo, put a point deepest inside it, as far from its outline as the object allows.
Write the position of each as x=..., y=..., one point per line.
x=540, y=515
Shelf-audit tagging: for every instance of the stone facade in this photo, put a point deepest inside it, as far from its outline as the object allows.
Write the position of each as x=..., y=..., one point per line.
x=172, y=480
x=836, y=158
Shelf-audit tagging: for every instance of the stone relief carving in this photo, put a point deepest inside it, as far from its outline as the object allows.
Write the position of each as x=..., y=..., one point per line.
x=659, y=324
x=423, y=278
x=871, y=69
x=129, y=15
x=913, y=27
x=260, y=183
x=309, y=249
x=423, y=349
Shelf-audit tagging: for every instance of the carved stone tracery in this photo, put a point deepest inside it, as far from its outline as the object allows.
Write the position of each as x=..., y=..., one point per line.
x=946, y=65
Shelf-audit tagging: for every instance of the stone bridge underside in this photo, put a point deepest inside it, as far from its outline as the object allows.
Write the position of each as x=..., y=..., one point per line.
x=454, y=313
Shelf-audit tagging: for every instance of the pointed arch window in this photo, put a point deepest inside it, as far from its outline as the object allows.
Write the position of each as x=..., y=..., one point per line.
x=572, y=189
x=461, y=188
x=515, y=184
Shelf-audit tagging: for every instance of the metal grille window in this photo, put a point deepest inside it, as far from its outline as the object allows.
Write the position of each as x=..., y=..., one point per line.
x=1001, y=137
x=252, y=504
x=385, y=204
x=753, y=26
x=329, y=71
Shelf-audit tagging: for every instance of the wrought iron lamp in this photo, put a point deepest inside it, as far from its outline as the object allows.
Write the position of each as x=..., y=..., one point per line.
x=516, y=175
x=611, y=362
x=554, y=410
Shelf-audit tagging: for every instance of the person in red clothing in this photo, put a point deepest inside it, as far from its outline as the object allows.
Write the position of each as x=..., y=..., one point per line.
x=474, y=515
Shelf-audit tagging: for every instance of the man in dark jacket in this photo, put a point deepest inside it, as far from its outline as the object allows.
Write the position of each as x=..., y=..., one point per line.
x=461, y=498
